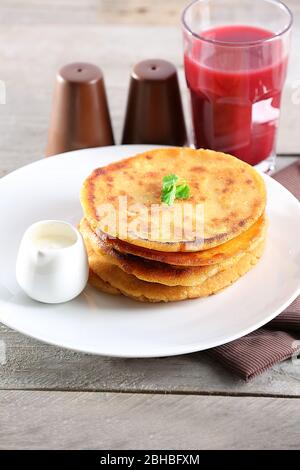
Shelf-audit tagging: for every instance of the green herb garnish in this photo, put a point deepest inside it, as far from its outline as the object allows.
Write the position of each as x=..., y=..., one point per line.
x=174, y=188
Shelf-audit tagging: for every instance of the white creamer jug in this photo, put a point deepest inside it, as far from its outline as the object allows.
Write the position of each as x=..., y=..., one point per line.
x=52, y=264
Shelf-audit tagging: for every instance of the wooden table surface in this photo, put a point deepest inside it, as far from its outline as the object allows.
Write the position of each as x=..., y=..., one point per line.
x=55, y=398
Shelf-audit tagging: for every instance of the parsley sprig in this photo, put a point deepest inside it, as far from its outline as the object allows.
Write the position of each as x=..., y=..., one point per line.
x=174, y=188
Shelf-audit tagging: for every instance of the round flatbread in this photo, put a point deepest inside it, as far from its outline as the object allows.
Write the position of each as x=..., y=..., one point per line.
x=215, y=255
x=153, y=271
x=227, y=196
x=97, y=282
x=137, y=289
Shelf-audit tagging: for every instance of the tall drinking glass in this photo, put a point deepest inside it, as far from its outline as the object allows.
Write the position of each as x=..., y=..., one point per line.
x=235, y=55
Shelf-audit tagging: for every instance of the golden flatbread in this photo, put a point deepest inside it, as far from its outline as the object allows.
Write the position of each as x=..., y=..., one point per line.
x=231, y=193
x=208, y=257
x=153, y=271
x=97, y=282
x=130, y=286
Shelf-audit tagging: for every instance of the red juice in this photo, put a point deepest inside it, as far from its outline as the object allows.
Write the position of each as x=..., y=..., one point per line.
x=236, y=90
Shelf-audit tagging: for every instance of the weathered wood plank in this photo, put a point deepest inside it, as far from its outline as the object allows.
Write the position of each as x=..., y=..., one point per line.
x=145, y=12
x=148, y=12
x=31, y=65
x=30, y=364
x=50, y=11
x=32, y=55
x=60, y=420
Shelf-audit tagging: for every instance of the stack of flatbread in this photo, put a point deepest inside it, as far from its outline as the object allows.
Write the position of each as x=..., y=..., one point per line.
x=151, y=251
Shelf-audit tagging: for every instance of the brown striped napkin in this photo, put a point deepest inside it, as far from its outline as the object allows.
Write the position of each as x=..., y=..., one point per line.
x=278, y=340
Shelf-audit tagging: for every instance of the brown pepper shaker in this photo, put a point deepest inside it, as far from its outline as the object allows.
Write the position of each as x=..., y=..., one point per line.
x=80, y=115
x=154, y=113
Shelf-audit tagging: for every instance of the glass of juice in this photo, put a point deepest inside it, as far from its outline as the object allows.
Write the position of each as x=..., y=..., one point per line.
x=235, y=56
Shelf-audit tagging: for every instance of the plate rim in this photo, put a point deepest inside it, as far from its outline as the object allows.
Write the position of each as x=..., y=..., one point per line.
x=174, y=350
x=170, y=353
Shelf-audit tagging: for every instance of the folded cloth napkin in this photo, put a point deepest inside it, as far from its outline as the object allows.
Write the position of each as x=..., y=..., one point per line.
x=278, y=340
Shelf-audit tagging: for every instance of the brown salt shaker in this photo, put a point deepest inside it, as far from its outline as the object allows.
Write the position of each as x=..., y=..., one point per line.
x=80, y=116
x=154, y=113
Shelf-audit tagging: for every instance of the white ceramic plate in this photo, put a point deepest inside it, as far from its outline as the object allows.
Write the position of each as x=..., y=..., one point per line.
x=116, y=326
